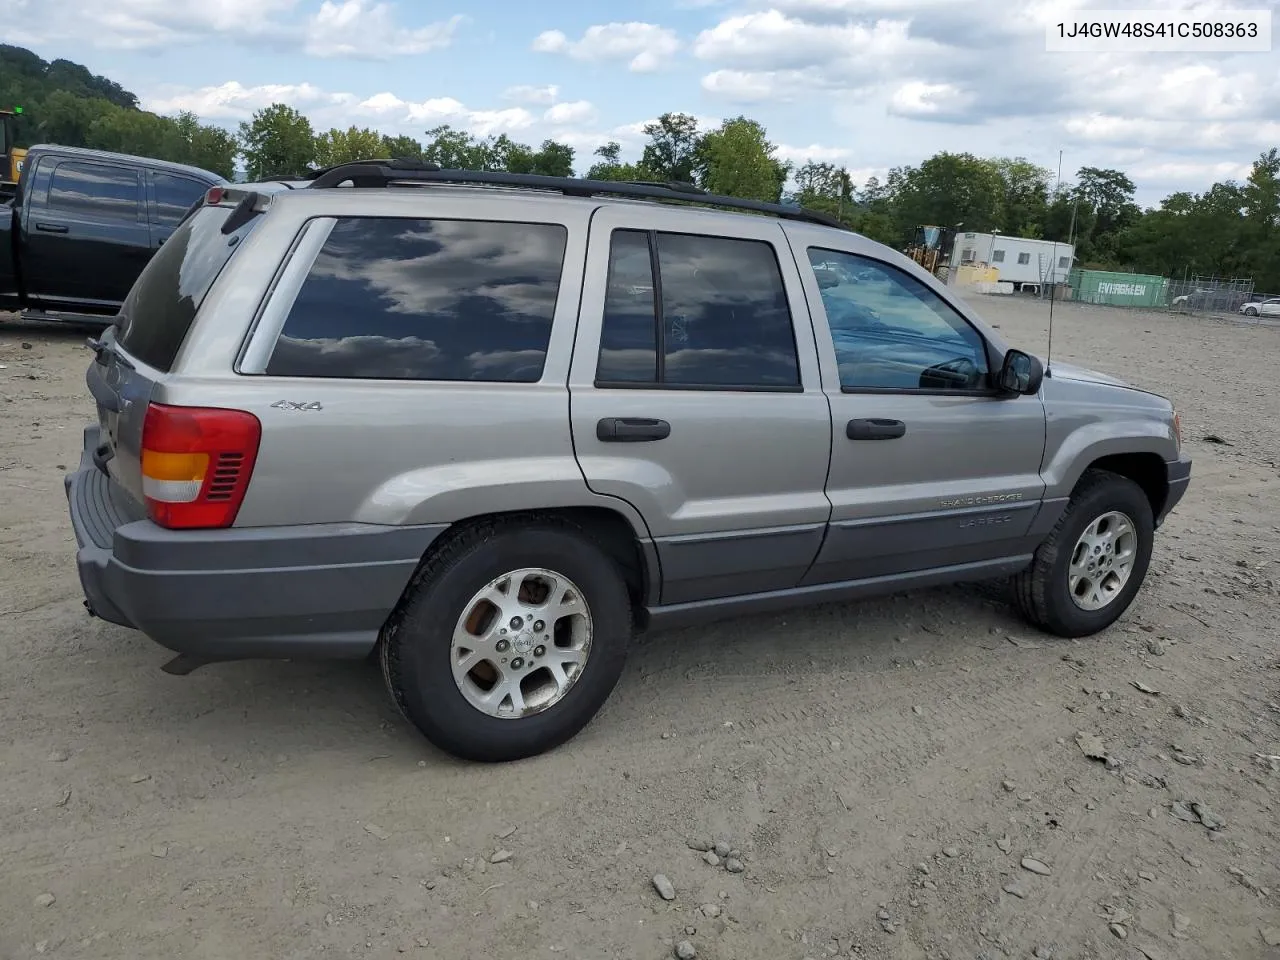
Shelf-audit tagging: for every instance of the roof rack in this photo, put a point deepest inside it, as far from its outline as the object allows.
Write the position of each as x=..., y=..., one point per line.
x=382, y=173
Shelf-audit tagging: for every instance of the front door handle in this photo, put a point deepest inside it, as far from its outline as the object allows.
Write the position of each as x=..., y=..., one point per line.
x=631, y=430
x=875, y=429
x=52, y=227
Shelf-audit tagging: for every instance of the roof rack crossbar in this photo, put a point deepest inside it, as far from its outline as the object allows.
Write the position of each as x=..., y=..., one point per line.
x=382, y=173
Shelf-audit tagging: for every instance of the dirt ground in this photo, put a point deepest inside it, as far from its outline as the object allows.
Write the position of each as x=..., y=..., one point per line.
x=882, y=768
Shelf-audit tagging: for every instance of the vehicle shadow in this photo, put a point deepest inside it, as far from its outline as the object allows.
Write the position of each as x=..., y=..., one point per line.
x=300, y=707
x=50, y=331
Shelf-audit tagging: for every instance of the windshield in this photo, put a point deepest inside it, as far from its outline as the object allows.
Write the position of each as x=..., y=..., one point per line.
x=158, y=312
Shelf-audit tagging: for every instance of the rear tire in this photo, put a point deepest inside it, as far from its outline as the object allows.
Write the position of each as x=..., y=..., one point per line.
x=483, y=688
x=1077, y=585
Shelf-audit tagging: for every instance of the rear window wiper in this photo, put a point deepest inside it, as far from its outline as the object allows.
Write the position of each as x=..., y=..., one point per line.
x=244, y=212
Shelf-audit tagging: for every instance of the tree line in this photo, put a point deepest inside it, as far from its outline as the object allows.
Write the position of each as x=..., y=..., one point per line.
x=1231, y=229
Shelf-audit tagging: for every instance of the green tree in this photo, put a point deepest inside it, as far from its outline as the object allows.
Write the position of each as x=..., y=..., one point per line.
x=65, y=118
x=826, y=188
x=737, y=160
x=277, y=142
x=1260, y=201
x=455, y=149
x=346, y=146
x=876, y=214
x=503, y=153
x=945, y=190
x=135, y=132
x=1024, y=201
x=208, y=147
x=610, y=166
x=1109, y=194
x=671, y=153
x=401, y=148
x=553, y=159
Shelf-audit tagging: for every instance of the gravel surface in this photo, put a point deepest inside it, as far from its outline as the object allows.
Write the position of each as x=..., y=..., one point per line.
x=284, y=810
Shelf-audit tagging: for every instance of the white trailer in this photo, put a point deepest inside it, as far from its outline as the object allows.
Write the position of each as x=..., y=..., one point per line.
x=1020, y=261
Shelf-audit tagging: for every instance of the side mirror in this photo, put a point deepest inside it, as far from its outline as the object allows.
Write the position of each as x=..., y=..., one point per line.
x=827, y=279
x=1020, y=374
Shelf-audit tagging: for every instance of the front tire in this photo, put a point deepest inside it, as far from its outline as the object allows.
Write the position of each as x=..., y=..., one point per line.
x=509, y=640
x=1088, y=570
x=1249, y=312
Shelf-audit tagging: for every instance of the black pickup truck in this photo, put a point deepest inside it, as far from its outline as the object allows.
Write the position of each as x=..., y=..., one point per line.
x=83, y=225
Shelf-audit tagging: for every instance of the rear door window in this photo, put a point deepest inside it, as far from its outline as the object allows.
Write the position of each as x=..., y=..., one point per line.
x=174, y=196
x=98, y=190
x=391, y=298
x=714, y=315
x=158, y=312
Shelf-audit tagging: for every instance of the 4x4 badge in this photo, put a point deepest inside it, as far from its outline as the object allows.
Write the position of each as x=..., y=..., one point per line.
x=296, y=405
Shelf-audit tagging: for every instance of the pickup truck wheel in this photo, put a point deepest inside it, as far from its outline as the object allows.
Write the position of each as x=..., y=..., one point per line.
x=509, y=640
x=1088, y=570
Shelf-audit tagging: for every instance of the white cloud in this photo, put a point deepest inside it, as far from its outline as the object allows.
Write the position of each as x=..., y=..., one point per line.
x=339, y=28
x=646, y=46
x=771, y=40
x=144, y=24
x=360, y=29
x=234, y=101
x=781, y=86
x=570, y=114
x=539, y=96
x=930, y=101
x=1183, y=135
x=402, y=114
x=814, y=152
x=485, y=123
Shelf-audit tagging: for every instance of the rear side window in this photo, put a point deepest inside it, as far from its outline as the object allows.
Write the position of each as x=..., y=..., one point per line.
x=715, y=314
x=174, y=196
x=96, y=190
x=390, y=298
x=158, y=312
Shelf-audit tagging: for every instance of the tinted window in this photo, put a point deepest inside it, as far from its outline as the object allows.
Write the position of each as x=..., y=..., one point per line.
x=175, y=195
x=95, y=189
x=723, y=320
x=892, y=332
x=725, y=317
x=398, y=299
x=629, y=335
x=157, y=314
x=1064, y=261
x=1024, y=258
x=998, y=257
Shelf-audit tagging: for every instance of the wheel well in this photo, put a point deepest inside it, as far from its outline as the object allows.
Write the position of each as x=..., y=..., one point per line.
x=608, y=527
x=1147, y=470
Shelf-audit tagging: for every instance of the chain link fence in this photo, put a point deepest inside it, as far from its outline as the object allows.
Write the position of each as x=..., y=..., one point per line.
x=1211, y=295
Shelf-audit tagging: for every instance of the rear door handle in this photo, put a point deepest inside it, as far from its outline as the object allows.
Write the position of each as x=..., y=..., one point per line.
x=875, y=429
x=631, y=430
x=52, y=227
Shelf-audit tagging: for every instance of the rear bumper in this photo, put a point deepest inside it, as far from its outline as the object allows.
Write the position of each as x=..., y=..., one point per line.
x=316, y=591
x=1178, y=474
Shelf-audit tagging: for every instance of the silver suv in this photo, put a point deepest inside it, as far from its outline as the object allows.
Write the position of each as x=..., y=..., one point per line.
x=486, y=427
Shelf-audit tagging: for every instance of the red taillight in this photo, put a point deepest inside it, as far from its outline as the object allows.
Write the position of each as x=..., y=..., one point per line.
x=196, y=464
x=214, y=196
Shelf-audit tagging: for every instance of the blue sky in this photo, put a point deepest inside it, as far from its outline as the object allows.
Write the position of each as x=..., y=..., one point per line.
x=868, y=84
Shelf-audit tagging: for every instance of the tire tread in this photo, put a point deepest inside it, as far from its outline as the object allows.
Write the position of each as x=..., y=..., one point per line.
x=1031, y=586
x=459, y=543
